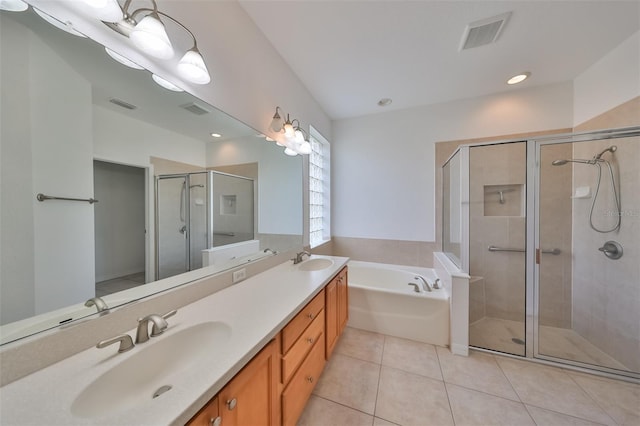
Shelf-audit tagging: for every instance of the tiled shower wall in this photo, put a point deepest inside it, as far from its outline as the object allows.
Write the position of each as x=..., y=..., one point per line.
x=492, y=223
x=606, y=293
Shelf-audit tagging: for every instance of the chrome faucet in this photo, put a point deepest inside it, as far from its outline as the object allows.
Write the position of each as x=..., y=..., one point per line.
x=100, y=305
x=298, y=257
x=425, y=284
x=159, y=326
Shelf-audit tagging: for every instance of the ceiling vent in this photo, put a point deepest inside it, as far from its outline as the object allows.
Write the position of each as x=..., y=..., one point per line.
x=195, y=108
x=122, y=103
x=485, y=31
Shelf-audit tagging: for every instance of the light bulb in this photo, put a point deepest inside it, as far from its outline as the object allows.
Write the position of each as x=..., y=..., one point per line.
x=276, y=123
x=192, y=67
x=124, y=61
x=150, y=36
x=166, y=84
x=304, y=148
x=290, y=152
x=298, y=136
x=288, y=129
x=13, y=5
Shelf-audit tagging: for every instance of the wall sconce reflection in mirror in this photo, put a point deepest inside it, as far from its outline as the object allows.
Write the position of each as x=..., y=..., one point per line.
x=146, y=29
x=290, y=134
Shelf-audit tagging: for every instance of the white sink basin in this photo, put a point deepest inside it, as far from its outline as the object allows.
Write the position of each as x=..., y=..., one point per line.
x=151, y=370
x=315, y=264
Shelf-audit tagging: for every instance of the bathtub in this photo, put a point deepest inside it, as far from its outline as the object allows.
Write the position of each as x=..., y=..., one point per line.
x=380, y=300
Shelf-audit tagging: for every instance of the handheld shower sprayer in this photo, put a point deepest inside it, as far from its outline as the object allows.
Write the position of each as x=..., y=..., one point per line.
x=595, y=161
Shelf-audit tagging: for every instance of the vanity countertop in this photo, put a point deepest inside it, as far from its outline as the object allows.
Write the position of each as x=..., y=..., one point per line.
x=255, y=309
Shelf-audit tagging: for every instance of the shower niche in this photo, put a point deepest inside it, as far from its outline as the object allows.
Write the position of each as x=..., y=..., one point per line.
x=504, y=200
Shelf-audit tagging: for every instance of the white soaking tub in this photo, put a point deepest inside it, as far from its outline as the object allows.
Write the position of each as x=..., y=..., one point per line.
x=381, y=300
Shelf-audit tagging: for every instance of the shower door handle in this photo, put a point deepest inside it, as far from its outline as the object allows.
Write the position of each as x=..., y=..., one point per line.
x=183, y=230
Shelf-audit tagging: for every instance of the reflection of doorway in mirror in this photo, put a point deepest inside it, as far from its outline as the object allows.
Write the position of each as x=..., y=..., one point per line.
x=119, y=227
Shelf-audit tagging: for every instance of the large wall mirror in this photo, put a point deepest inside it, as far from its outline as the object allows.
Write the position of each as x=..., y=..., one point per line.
x=171, y=198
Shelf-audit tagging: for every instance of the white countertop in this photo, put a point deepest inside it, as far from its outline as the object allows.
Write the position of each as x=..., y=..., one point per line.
x=255, y=310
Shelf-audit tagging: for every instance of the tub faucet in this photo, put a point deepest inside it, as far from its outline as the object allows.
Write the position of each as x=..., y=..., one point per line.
x=159, y=326
x=298, y=257
x=425, y=284
x=416, y=288
x=100, y=305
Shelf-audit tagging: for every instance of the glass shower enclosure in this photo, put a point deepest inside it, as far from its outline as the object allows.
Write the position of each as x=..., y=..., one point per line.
x=198, y=211
x=549, y=231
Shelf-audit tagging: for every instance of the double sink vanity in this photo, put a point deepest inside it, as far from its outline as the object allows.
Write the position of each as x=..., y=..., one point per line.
x=248, y=354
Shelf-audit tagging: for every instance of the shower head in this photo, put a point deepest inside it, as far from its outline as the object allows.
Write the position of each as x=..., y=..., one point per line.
x=611, y=149
x=570, y=160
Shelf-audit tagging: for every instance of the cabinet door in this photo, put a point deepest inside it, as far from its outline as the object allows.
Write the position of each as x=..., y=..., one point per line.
x=331, y=316
x=208, y=416
x=343, y=299
x=251, y=397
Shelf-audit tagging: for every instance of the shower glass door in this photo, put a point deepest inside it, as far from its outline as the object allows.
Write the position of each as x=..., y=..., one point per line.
x=588, y=244
x=172, y=227
x=497, y=226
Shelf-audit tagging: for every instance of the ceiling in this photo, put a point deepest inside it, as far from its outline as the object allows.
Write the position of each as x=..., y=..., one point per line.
x=350, y=54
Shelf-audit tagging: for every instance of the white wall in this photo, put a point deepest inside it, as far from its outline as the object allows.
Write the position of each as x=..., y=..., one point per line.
x=121, y=139
x=383, y=164
x=611, y=81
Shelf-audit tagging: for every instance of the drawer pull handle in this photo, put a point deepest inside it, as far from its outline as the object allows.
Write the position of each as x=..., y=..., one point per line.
x=216, y=421
x=310, y=340
x=231, y=404
x=310, y=379
x=310, y=315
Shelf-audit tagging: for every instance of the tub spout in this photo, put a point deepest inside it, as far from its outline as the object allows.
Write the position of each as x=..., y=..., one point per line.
x=425, y=285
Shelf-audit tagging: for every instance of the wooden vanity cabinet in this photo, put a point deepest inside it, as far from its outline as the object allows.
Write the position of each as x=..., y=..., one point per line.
x=251, y=398
x=273, y=388
x=336, y=308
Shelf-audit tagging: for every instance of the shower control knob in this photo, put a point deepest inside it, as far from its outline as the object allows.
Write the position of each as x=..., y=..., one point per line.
x=612, y=249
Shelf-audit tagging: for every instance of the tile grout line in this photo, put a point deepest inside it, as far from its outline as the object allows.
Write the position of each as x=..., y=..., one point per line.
x=595, y=401
x=515, y=391
x=342, y=405
x=561, y=413
x=446, y=391
x=375, y=404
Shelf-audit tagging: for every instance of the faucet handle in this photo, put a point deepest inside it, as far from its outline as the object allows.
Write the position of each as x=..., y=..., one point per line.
x=126, y=343
x=170, y=314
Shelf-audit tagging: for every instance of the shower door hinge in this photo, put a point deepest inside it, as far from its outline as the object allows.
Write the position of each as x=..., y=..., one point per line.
x=537, y=256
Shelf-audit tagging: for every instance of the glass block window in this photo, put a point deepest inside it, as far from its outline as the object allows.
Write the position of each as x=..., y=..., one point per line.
x=319, y=223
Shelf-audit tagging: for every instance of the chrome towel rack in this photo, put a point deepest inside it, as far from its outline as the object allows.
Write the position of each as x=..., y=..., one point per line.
x=555, y=251
x=42, y=197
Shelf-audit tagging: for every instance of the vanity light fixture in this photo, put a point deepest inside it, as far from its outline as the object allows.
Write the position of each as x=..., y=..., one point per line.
x=13, y=5
x=146, y=30
x=519, y=78
x=289, y=134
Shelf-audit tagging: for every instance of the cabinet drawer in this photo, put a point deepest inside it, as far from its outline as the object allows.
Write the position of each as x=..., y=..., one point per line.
x=300, y=322
x=302, y=347
x=297, y=393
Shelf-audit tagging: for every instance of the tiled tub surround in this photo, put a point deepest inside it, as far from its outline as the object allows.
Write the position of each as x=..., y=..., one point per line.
x=255, y=310
x=378, y=380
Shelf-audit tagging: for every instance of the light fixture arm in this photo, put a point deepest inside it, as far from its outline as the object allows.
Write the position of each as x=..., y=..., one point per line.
x=157, y=12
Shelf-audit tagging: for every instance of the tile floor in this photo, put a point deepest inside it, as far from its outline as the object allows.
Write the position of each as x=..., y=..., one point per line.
x=119, y=284
x=378, y=380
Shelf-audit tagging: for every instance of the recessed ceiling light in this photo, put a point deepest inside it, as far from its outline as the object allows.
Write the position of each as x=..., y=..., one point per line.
x=519, y=78
x=216, y=135
x=384, y=102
